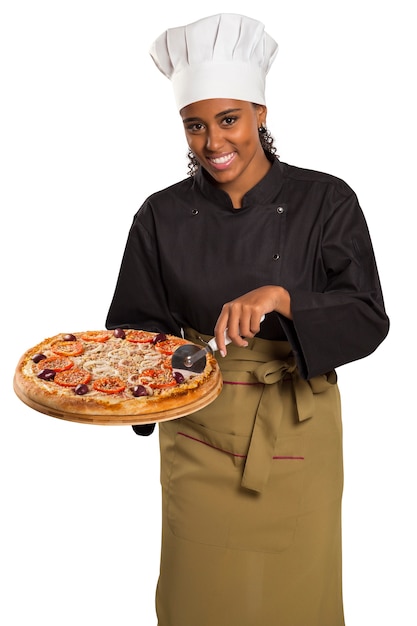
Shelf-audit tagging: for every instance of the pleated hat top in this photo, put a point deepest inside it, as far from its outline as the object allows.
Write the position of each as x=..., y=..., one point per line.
x=221, y=56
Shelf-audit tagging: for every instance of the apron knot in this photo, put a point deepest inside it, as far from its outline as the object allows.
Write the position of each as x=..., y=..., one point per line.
x=274, y=371
x=269, y=413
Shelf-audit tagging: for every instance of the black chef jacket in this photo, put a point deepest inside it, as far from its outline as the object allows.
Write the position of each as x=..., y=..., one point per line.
x=189, y=251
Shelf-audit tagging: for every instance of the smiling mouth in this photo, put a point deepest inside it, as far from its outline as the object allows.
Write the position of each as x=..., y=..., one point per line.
x=223, y=161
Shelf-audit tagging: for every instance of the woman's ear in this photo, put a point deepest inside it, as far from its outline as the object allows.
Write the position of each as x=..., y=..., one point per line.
x=261, y=112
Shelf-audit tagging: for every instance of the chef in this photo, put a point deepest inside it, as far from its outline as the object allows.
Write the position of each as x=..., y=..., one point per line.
x=251, y=484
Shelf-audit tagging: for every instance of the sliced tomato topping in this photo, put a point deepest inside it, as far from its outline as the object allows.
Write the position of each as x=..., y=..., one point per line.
x=67, y=348
x=56, y=363
x=160, y=379
x=73, y=377
x=97, y=335
x=109, y=384
x=152, y=373
x=162, y=385
x=139, y=336
x=169, y=345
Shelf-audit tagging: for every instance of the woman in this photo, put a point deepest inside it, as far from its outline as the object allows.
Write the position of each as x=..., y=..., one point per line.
x=252, y=484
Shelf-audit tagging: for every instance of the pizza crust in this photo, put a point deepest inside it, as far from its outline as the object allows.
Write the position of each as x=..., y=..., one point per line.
x=121, y=408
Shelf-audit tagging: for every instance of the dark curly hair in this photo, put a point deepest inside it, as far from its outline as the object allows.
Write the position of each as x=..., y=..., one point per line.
x=267, y=143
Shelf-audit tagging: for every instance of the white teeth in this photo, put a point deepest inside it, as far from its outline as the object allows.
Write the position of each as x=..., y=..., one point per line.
x=222, y=159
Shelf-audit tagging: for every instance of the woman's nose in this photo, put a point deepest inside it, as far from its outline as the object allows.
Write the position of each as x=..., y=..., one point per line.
x=214, y=139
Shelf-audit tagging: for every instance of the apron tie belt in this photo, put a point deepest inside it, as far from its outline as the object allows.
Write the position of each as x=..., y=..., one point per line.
x=271, y=373
x=267, y=422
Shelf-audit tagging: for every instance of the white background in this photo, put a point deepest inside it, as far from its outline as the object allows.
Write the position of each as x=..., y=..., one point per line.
x=88, y=129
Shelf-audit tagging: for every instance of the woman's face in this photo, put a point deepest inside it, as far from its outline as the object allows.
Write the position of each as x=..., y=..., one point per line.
x=223, y=135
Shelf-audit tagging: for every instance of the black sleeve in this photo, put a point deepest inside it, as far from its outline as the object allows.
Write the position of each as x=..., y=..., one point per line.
x=140, y=300
x=347, y=320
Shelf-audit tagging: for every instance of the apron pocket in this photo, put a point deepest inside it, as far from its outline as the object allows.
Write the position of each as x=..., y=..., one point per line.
x=207, y=504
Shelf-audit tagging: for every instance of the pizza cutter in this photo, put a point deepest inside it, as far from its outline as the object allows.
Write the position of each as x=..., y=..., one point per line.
x=191, y=359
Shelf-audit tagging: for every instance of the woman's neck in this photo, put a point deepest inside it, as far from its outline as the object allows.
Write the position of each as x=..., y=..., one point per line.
x=237, y=188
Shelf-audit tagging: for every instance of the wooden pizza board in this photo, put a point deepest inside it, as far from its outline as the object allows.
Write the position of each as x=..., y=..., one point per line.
x=213, y=389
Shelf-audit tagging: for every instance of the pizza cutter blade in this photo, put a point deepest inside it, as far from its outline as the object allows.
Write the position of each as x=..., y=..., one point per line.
x=192, y=359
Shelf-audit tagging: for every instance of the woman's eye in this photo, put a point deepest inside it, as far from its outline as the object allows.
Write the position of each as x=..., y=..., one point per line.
x=195, y=128
x=228, y=121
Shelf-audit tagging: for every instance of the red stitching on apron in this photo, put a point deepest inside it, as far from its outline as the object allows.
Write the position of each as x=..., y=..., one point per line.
x=227, y=382
x=242, y=456
x=230, y=382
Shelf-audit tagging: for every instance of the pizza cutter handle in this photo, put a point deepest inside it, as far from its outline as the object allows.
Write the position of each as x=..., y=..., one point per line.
x=213, y=343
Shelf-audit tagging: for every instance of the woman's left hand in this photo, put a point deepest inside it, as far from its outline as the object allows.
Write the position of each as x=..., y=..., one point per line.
x=241, y=317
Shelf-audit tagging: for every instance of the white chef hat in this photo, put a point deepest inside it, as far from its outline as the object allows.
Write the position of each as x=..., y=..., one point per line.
x=221, y=56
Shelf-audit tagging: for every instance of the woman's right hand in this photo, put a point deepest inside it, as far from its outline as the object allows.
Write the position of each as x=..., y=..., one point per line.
x=241, y=317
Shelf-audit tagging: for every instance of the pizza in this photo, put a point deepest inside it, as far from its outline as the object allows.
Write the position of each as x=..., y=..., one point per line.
x=116, y=376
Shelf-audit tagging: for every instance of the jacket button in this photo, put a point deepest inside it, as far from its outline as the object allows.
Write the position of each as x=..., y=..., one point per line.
x=276, y=257
x=194, y=211
x=280, y=209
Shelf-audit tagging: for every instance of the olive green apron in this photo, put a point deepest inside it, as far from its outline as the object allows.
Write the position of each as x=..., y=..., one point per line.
x=251, y=499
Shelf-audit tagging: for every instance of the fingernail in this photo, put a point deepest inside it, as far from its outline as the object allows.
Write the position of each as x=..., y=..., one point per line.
x=222, y=353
